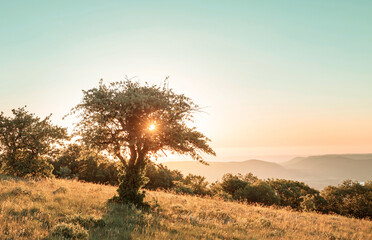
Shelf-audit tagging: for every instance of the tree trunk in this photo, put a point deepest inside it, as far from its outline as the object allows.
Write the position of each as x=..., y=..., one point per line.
x=132, y=180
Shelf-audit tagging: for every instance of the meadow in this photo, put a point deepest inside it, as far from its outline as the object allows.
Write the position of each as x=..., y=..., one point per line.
x=68, y=209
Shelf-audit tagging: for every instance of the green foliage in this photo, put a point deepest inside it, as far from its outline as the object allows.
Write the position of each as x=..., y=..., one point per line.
x=116, y=118
x=292, y=193
x=94, y=167
x=85, y=221
x=64, y=172
x=258, y=192
x=182, y=188
x=160, y=177
x=129, y=189
x=280, y=192
x=75, y=161
x=68, y=158
x=308, y=203
x=197, y=183
x=233, y=184
x=217, y=191
x=350, y=198
x=87, y=165
x=248, y=188
x=70, y=231
x=192, y=185
x=27, y=144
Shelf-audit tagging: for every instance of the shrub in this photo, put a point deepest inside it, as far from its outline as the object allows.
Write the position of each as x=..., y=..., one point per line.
x=64, y=172
x=258, y=192
x=180, y=187
x=308, y=203
x=87, y=165
x=85, y=221
x=291, y=193
x=160, y=177
x=197, y=184
x=350, y=198
x=70, y=231
x=217, y=191
x=232, y=183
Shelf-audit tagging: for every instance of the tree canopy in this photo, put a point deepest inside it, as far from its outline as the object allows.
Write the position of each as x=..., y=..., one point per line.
x=27, y=143
x=118, y=117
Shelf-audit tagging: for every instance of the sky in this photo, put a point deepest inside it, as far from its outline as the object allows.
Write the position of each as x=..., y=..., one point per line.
x=277, y=79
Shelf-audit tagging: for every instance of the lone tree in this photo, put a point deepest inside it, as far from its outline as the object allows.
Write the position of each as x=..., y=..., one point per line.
x=27, y=144
x=133, y=122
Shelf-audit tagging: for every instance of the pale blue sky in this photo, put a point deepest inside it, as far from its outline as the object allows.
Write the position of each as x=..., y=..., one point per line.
x=277, y=77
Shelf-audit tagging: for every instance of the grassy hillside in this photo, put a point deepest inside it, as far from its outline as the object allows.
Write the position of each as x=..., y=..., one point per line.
x=33, y=210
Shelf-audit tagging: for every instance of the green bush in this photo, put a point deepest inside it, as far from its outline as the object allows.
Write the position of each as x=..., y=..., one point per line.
x=87, y=165
x=160, y=177
x=350, y=198
x=64, y=172
x=181, y=187
x=70, y=231
x=232, y=183
x=197, y=184
x=85, y=221
x=258, y=192
x=291, y=193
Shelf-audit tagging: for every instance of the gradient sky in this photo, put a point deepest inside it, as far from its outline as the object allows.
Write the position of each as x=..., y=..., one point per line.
x=277, y=78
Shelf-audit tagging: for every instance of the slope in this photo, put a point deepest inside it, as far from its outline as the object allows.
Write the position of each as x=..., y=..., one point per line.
x=32, y=210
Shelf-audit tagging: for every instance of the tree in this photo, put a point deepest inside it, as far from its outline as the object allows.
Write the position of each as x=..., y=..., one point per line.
x=259, y=192
x=87, y=165
x=133, y=122
x=67, y=162
x=350, y=198
x=197, y=183
x=291, y=193
x=234, y=184
x=27, y=143
x=161, y=177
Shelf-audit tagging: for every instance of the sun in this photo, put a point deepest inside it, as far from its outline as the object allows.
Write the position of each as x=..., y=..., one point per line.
x=152, y=127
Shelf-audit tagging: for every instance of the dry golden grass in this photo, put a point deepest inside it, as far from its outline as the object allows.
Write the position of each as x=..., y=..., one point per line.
x=31, y=209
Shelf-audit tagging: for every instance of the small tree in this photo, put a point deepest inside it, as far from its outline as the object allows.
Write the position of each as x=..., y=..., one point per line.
x=291, y=192
x=27, y=143
x=350, y=198
x=197, y=183
x=161, y=177
x=133, y=122
x=68, y=158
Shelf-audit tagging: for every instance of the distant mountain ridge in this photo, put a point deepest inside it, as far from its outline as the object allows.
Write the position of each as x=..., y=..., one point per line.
x=215, y=170
x=332, y=166
x=317, y=171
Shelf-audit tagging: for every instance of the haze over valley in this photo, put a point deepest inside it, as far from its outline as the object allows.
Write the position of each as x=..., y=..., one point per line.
x=317, y=171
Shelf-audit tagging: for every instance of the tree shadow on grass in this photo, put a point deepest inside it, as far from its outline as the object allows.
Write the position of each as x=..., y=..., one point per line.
x=120, y=221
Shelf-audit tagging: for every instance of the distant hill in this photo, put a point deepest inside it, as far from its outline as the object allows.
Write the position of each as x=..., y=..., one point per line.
x=317, y=171
x=342, y=166
x=216, y=170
